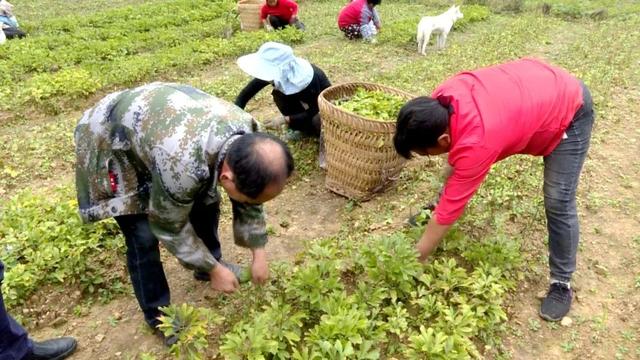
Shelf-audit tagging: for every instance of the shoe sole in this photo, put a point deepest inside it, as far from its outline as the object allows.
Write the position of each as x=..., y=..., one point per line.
x=548, y=318
x=67, y=353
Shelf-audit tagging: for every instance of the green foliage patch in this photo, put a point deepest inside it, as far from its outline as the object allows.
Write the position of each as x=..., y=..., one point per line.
x=376, y=302
x=69, y=58
x=44, y=242
x=472, y=14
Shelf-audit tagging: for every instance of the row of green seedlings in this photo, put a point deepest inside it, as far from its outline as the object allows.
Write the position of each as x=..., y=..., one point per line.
x=45, y=243
x=355, y=300
x=75, y=57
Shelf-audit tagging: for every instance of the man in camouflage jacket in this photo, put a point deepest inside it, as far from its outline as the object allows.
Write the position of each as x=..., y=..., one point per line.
x=151, y=157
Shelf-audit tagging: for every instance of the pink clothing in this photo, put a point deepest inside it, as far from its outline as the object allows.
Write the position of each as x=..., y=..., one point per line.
x=284, y=9
x=357, y=12
x=521, y=107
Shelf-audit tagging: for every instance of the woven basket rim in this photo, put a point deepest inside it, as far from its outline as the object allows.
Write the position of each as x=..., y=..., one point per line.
x=367, y=86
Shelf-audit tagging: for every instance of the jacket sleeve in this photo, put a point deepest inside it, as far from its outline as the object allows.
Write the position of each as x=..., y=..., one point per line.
x=294, y=8
x=249, y=91
x=171, y=199
x=365, y=14
x=470, y=168
x=376, y=19
x=264, y=11
x=249, y=225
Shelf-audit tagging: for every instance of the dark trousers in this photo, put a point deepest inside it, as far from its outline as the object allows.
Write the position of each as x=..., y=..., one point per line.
x=561, y=174
x=277, y=22
x=12, y=32
x=14, y=340
x=280, y=23
x=143, y=255
x=289, y=105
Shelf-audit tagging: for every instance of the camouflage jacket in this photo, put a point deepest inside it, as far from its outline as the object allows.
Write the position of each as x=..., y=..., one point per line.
x=156, y=149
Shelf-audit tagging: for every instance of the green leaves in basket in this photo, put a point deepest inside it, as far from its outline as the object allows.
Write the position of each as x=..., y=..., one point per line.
x=376, y=105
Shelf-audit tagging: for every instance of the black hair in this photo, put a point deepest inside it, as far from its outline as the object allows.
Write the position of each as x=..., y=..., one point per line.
x=374, y=2
x=252, y=171
x=420, y=123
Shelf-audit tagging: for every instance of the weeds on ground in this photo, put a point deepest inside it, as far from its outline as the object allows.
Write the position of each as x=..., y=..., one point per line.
x=44, y=242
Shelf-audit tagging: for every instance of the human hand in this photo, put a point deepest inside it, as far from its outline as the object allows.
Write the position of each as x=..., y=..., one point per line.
x=423, y=248
x=259, y=266
x=222, y=279
x=268, y=27
x=275, y=122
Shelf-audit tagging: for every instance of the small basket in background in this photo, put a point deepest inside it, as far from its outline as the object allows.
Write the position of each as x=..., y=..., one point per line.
x=249, y=14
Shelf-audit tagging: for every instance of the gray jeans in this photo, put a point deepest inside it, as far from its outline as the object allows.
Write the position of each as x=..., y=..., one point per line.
x=561, y=175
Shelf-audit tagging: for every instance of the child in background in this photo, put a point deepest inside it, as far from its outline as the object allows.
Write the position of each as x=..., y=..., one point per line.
x=360, y=20
x=276, y=14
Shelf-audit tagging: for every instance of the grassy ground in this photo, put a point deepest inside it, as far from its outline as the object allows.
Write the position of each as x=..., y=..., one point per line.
x=505, y=218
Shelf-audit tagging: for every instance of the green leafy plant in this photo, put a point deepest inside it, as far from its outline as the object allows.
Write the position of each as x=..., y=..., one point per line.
x=45, y=242
x=472, y=13
x=191, y=325
x=274, y=331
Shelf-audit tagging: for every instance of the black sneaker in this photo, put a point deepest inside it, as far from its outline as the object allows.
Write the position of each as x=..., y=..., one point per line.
x=557, y=303
x=168, y=341
x=54, y=349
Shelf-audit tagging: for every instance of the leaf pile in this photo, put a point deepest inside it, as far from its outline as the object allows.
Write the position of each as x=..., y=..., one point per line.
x=376, y=105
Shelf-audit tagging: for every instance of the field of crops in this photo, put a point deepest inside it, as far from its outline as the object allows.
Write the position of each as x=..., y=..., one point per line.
x=357, y=291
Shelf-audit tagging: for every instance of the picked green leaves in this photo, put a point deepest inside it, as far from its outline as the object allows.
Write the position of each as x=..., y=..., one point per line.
x=375, y=105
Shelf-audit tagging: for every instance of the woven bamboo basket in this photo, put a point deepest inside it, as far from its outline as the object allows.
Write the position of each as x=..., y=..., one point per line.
x=361, y=159
x=249, y=14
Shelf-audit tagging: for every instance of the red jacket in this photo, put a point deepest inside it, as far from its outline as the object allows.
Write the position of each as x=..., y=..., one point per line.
x=358, y=12
x=521, y=107
x=284, y=9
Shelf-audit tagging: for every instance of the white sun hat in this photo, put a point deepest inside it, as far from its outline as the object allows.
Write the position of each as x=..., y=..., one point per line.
x=276, y=62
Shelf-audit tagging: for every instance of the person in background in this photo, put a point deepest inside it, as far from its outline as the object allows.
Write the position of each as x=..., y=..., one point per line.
x=296, y=86
x=360, y=20
x=482, y=116
x=152, y=158
x=8, y=23
x=16, y=345
x=277, y=14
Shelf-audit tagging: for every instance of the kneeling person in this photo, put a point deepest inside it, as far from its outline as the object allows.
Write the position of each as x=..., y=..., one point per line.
x=277, y=14
x=297, y=84
x=152, y=157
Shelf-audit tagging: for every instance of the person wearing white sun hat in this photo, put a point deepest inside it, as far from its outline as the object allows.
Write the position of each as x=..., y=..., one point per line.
x=296, y=82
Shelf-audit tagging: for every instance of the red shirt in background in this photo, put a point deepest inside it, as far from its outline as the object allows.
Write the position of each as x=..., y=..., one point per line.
x=521, y=107
x=284, y=9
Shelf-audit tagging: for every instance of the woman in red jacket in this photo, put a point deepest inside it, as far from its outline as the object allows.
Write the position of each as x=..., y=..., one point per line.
x=276, y=14
x=360, y=20
x=483, y=116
